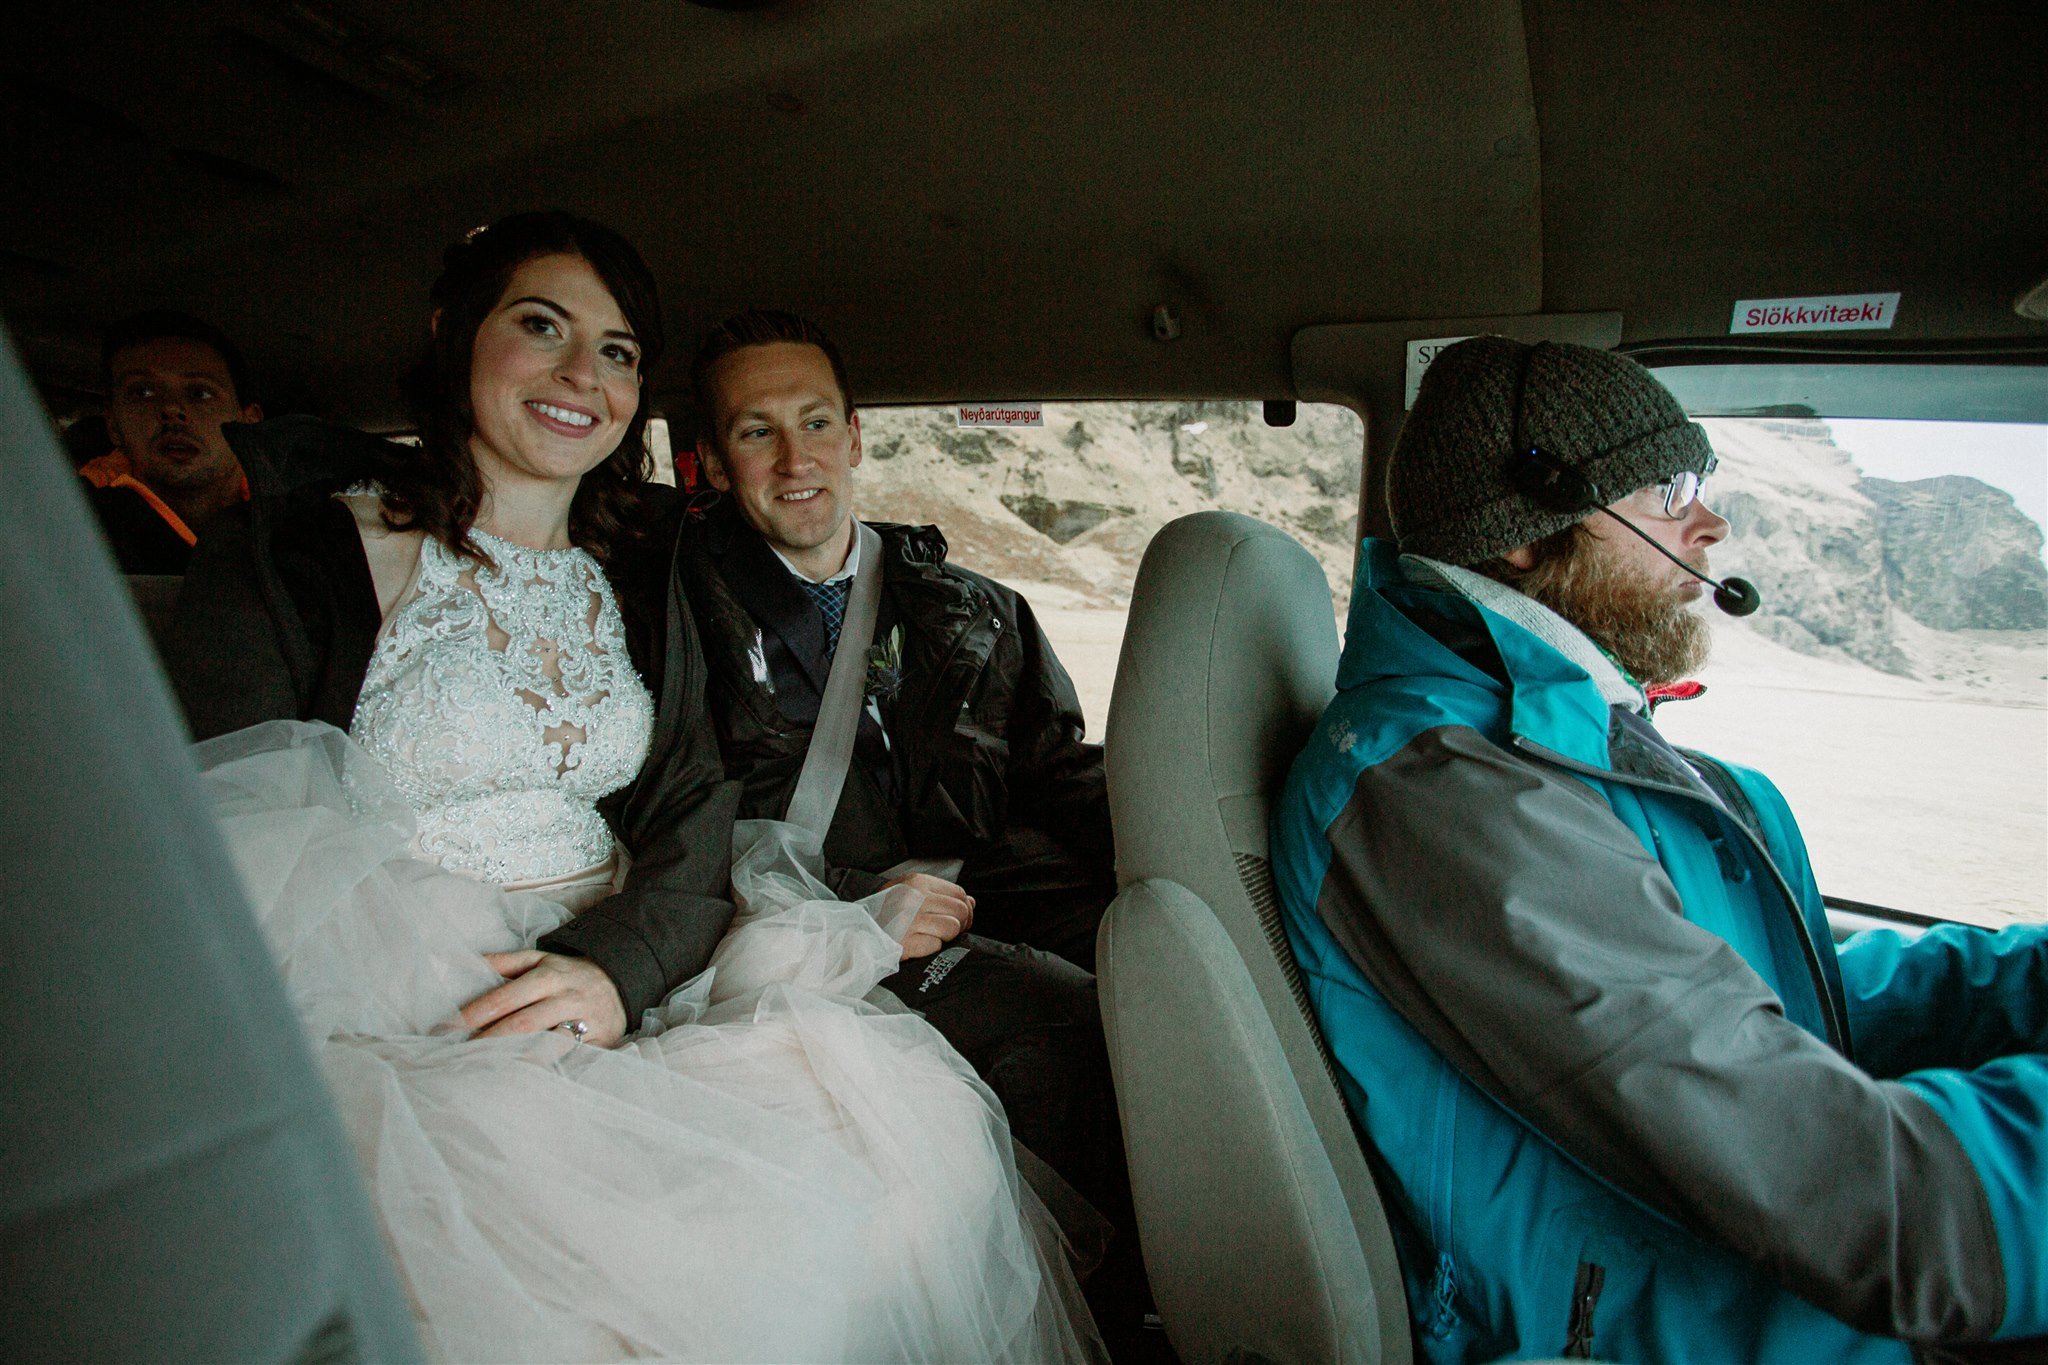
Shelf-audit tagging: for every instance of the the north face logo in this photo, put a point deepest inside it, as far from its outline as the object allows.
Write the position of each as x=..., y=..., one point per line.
x=940, y=967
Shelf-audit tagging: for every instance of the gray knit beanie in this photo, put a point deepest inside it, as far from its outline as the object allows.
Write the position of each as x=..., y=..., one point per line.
x=1450, y=490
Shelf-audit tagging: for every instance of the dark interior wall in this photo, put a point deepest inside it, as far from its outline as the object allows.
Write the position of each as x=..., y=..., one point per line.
x=1698, y=154
x=989, y=200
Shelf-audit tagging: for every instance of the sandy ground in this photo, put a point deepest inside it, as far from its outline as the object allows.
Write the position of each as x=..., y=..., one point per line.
x=1911, y=795
x=1087, y=642
x=1919, y=796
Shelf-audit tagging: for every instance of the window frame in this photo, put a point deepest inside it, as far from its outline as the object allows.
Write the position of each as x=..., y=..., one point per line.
x=1848, y=915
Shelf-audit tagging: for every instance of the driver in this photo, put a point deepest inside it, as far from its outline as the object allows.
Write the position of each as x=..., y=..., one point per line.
x=1579, y=984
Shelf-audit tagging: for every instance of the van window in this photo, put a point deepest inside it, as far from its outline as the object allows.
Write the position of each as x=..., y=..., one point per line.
x=1063, y=511
x=1894, y=682
x=659, y=454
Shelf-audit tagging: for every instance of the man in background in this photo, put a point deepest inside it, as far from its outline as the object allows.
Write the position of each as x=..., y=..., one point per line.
x=172, y=382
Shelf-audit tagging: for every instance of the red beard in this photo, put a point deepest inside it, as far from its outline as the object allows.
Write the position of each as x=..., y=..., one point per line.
x=1648, y=628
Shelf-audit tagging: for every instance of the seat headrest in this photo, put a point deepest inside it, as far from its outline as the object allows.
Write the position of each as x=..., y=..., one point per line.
x=1229, y=656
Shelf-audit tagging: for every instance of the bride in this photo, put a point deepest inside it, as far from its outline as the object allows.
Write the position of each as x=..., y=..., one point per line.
x=455, y=708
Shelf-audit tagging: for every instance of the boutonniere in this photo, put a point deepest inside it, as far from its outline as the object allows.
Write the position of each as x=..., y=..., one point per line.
x=885, y=668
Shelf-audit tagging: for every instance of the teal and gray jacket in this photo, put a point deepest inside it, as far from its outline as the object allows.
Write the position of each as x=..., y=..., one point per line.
x=1627, y=1099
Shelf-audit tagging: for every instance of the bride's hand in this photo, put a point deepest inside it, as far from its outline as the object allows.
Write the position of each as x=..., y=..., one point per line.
x=546, y=989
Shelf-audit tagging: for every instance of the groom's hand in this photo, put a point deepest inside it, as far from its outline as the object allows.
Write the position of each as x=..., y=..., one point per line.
x=546, y=989
x=946, y=913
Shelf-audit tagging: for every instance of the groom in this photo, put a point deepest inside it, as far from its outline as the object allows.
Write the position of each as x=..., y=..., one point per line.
x=967, y=746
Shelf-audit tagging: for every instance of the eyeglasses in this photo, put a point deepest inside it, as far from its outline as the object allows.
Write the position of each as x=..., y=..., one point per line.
x=1683, y=489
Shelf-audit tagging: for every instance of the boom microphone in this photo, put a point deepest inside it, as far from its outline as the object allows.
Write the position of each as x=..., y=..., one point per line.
x=1735, y=596
x=1549, y=482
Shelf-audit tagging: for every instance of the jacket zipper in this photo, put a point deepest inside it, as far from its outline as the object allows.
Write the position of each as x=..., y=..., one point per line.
x=1443, y=1291
x=982, y=609
x=1578, y=1337
x=932, y=700
x=1831, y=1019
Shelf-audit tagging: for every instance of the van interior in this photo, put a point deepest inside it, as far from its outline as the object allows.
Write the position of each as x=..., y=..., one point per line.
x=1185, y=204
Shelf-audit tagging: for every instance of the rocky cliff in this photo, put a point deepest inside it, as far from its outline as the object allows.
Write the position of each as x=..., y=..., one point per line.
x=1072, y=504
x=1840, y=558
x=1838, y=555
x=1806, y=535
x=1958, y=555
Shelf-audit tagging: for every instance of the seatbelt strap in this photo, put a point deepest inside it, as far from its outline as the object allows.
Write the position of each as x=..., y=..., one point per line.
x=945, y=869
x=816, y=798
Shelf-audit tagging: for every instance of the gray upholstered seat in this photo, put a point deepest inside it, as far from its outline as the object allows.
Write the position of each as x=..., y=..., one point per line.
x=179, y=1186
x=1263, y=1232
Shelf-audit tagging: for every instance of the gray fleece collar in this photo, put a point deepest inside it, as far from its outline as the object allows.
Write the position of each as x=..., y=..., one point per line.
x=1532, y=616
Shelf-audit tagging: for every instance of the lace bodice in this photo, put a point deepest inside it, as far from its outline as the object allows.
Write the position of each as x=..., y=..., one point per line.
x=503, y=704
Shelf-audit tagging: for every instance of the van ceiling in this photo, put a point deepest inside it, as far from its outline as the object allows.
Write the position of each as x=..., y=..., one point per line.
x=989, y=200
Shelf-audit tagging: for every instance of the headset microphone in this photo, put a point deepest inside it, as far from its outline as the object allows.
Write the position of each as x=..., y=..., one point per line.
x=1735, y=596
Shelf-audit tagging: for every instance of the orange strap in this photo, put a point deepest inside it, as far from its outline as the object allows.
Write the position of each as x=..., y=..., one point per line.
x=112, y=471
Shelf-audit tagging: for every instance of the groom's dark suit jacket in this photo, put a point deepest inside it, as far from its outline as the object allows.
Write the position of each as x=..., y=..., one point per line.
x=984, y=758
x=792, y=643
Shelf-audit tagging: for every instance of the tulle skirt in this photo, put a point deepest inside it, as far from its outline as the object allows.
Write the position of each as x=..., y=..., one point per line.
x=770, y=1168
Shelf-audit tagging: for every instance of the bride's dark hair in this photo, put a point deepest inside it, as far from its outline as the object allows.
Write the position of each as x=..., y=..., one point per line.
x=436, y=488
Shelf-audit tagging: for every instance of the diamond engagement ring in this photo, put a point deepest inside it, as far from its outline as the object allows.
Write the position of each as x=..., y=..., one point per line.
x=575, y=1028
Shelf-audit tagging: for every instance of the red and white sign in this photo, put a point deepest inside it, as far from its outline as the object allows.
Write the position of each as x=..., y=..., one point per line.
x=1823, y=313
x=1002, y=414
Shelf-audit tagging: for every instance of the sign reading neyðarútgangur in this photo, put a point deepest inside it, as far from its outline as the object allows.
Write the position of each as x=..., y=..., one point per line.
x=1002, y=415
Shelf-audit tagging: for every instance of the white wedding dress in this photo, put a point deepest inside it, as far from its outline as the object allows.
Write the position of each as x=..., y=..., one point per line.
x=769, y=1169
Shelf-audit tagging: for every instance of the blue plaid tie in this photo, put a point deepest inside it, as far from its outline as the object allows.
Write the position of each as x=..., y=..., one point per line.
x=831, y=600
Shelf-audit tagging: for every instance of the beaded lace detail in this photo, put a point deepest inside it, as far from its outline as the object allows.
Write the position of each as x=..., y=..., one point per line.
x=503, y=703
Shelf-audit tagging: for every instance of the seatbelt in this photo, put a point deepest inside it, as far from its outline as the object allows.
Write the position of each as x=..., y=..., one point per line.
x=816, y=798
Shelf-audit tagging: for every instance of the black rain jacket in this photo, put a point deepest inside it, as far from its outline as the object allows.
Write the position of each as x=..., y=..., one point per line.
x=985, y=728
